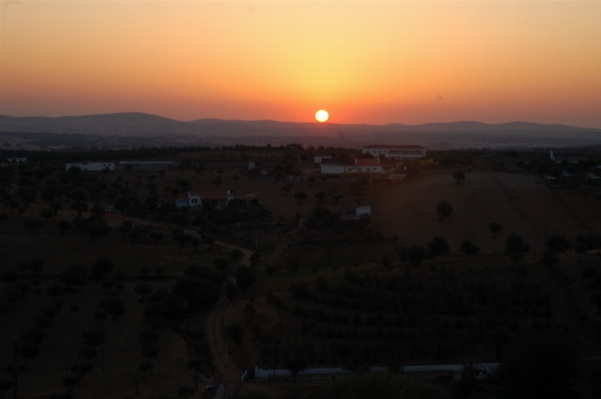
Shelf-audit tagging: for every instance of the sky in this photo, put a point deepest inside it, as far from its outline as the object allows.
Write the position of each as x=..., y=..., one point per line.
x=374, y=62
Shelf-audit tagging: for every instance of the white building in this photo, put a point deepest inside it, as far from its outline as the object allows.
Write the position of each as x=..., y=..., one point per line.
x=16, y=160
x=399, y=152
x=333, y=167
x=92, y=166
x=357, y=165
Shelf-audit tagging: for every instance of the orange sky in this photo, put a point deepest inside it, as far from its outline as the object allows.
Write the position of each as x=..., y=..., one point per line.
x=363, y=61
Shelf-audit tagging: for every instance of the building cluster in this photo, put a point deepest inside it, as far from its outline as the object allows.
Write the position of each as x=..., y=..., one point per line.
x=373, y=164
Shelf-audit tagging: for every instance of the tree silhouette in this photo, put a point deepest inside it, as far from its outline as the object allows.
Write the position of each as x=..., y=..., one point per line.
x=96, y=229
x=70, y=382
x=197, y=367
x=33, y=224
x=5, y=385
x=181, y=237
x=93, y=337
x=581, y=249
x=515, y=246
x=469, y=248
x=36, y=265
x=156, y=236
x=63, y=226
x=56, y=206
x=142, y=290
x=558, y=243
x=495, y=228
x=101, y=267
x=185, y=391
x=459, y=176
x=144, y=368
x=295, y=362
x=438, y=247
x=113, y=306
x=320, y=195
x=28, y=350
x=47, y=213
x=79, y=206
x=416, y=254
x=246, y=277
x=443, y=210
x=300, y=196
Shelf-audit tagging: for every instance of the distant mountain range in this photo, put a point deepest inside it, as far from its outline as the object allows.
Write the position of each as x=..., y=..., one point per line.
x=141, y=124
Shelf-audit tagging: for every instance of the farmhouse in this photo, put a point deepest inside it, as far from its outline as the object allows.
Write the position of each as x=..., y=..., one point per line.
x=398, y=152
x=357, y=165
x=215, y=199
x=92, y=166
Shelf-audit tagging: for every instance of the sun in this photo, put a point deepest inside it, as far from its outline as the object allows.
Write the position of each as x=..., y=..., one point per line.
x=322, y=115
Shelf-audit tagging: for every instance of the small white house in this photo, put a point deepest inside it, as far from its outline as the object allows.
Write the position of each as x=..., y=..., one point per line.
x=92, y=166
x=217, y=199
x=363, y=210
x=395, y=151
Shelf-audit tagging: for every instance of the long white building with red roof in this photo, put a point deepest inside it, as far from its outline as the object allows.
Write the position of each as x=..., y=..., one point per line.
x=399, y=152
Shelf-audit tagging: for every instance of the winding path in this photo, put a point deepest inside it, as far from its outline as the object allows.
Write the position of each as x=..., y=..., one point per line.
x=228, y=372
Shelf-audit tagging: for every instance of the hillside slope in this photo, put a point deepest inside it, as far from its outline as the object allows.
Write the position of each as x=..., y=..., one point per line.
x=514, y=200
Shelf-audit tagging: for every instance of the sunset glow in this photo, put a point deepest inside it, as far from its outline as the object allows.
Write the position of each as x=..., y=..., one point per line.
x=369, y=62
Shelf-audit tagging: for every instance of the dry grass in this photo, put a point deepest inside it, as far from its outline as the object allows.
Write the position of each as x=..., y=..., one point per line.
x=514, y=200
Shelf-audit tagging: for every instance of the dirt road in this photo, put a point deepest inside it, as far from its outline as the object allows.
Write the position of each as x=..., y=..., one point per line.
x=229, y=373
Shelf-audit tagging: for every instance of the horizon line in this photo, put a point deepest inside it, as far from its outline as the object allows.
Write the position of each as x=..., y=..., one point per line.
x=293, y=122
